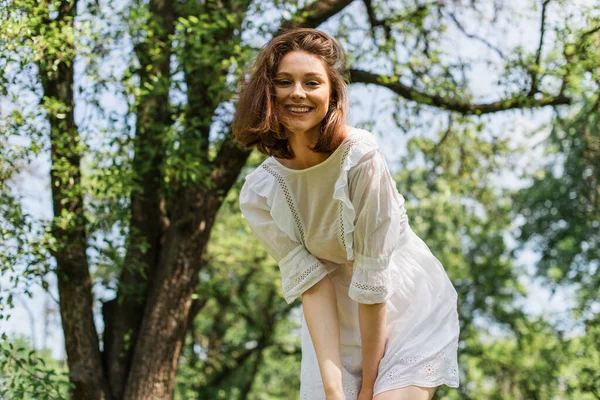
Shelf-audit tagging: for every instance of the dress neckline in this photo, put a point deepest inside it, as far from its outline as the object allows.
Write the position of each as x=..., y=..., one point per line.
x=280, y=165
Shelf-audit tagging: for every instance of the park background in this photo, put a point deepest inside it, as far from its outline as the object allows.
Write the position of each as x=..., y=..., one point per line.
x=123, y=247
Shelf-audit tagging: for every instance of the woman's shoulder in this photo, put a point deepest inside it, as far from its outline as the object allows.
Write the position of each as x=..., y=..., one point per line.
x=361, y=144
x=259, y=175
x=258, y=180
x=361, y=135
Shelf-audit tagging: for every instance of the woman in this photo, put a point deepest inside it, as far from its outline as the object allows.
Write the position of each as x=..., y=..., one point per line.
x=379, y=312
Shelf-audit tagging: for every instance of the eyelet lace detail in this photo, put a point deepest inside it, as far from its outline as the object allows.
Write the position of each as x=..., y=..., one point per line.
x=349, y=383
x=370, y=288
x=441, y=369
x=350, y=389
x=351, y=143
x=288, y=198
x=299, y=279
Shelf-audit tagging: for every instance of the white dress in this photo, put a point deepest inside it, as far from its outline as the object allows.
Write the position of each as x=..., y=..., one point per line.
x=344, y=217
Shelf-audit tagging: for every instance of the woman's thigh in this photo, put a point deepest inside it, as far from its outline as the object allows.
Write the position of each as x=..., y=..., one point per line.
x=407, y=393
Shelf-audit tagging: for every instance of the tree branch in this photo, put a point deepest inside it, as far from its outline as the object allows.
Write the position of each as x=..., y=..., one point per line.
x=571, y=56
x=446, y=103
x=252, y=375
x=446, y=134
x=314, y=14
x=475, y=37
x=533, y=71
x=376, y=22
x=197, y=306
x=590, y=32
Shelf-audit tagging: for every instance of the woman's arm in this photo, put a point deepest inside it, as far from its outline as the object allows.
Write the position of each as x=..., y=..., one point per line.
x=380, y=218
x=372, y=320
x=319, y=305
x=317, y=290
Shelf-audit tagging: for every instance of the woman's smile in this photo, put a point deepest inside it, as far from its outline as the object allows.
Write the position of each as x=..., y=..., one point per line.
x=298, y=110
x=302, y=89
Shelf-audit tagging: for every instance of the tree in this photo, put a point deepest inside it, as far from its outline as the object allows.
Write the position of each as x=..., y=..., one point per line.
x=137, y=210
x=562, y=205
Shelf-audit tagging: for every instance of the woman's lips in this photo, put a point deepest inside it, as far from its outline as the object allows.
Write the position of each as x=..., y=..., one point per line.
x=298, y=110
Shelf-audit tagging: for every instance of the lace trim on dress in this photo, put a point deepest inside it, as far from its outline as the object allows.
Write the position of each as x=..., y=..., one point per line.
x=356, y=148
x=375, y=279
x=288, y=198
x=301, y=278
x=369, y=288
x=261, y=182
x=433, y=367
x=341, y=208
x=288, y=219
x=300, y=270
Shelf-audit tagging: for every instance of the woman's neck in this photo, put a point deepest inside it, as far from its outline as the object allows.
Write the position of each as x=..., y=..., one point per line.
x=303, y=156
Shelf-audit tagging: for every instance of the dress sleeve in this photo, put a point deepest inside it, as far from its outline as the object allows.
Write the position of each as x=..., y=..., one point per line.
x=300, y=270
x=380, y=221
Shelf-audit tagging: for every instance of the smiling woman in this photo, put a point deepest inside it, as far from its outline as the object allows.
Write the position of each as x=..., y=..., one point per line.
x=302, y=91
x=379, y=314
x=302, y=67
x=302, y=86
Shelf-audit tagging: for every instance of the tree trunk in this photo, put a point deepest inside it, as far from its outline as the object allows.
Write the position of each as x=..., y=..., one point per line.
x=165, y=319
x=168, y=304
x=123, y=315
x=146, y=325
x=69, y=225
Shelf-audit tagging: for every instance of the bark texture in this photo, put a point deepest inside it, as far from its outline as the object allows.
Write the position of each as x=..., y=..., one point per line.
x=69, y=225
x=123, y=315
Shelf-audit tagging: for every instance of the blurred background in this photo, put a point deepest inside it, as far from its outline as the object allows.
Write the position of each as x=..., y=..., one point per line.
x=127, y=270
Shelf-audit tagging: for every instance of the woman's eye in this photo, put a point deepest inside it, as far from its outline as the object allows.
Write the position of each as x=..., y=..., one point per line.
x=288, y=83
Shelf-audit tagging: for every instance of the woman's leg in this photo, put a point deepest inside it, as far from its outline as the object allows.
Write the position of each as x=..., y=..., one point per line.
x=407, y=393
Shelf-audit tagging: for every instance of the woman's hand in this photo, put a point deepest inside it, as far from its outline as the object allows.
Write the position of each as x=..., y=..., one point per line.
x=365, y=394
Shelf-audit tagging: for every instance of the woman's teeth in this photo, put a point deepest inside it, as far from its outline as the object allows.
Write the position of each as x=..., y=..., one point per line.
x=299, y=109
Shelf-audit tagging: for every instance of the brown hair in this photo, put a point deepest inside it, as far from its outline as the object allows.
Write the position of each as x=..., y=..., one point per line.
x=256, y=123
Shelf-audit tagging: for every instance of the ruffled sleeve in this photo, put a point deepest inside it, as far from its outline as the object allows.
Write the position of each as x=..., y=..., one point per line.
x=300, y=270
x=379, y=227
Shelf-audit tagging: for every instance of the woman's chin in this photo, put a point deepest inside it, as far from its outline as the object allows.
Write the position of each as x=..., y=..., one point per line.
x=300, y=128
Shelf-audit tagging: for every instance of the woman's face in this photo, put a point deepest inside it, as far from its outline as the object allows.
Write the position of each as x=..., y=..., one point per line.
x=302, y=89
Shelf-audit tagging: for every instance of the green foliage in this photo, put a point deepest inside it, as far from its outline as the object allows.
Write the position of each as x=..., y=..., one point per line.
x=462, y=218
x=27, y=374
x=582, y=373
x=24, y=258
x=561, y=208
x=561, y=216
x=524, y=364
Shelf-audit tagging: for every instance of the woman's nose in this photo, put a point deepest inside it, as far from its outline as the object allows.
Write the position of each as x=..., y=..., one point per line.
x=298, y=91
